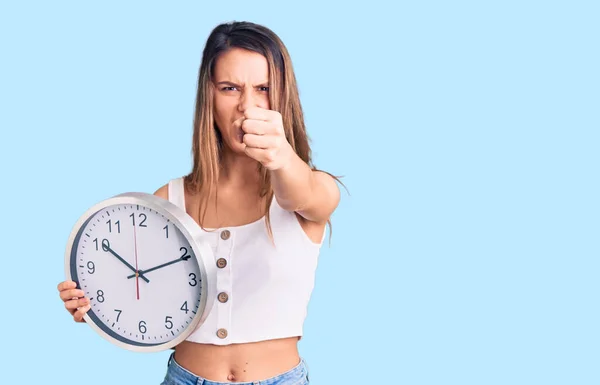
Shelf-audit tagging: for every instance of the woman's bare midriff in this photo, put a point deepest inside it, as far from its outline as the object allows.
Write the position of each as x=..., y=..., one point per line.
x=239, y=362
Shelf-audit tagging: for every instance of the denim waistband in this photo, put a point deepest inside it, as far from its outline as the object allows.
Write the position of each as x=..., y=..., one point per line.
x=184, y=376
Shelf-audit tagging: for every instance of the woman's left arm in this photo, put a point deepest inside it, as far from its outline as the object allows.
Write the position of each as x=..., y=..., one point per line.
x=312, y=194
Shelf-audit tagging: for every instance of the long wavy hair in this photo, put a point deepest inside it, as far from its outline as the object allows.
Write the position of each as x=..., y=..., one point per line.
x=283, y=97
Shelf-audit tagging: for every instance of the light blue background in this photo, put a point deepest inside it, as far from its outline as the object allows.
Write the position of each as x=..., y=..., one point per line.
x=467, y=251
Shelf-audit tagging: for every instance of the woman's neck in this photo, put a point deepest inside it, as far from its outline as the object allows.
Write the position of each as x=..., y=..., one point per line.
x=238, y=171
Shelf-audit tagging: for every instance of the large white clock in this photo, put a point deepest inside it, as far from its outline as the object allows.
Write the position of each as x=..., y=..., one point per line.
x=141, y=261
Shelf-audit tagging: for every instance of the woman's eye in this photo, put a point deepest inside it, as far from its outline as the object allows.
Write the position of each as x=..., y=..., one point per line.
x=265, y=89
x=228, y=88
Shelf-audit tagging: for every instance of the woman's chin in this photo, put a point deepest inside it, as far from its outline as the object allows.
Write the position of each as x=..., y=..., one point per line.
x=237, y=147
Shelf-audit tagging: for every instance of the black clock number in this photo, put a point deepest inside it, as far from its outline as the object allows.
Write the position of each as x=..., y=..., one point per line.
x=185, y=255
x=168, y=323
x=184, y=307
x=166, y=228
x=118, y=223
x=142, y=327
x=193, y=278
x=91, y=267
x=105, y=244
x=141, y=215
x=118, y=315
x=100, y=296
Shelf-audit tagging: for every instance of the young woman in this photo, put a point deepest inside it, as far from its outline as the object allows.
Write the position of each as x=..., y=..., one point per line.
x=262, y=206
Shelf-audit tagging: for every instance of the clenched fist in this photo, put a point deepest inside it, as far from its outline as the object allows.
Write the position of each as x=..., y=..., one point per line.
x=264, y=137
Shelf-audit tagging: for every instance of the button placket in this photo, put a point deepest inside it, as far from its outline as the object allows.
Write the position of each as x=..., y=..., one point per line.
x=225, y=246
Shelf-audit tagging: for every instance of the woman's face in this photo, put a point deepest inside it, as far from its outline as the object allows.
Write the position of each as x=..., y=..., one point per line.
x=241, y=80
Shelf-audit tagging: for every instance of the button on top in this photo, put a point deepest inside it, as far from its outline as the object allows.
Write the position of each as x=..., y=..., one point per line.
x=223, y=297
x=222, y=333
x=225, y=234
x=221, y=263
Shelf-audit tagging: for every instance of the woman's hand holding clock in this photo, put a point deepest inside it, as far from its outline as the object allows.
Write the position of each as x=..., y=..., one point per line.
x=75, y=301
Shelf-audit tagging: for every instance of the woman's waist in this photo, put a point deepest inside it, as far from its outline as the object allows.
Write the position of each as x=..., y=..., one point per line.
x=244, y=362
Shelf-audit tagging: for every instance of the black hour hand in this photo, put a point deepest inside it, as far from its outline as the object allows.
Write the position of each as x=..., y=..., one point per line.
x=185, y=257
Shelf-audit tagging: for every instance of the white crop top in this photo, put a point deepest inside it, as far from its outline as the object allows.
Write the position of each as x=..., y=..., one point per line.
x=263, y=289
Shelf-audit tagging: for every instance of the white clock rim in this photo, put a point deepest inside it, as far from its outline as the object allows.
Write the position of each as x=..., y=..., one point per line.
x=190, y=230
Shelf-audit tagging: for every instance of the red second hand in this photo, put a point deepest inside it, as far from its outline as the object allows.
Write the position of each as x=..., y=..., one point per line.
x=137, y=274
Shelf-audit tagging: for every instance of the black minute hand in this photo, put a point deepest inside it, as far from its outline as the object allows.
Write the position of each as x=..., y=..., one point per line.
x=184, y=258
x=106, y=247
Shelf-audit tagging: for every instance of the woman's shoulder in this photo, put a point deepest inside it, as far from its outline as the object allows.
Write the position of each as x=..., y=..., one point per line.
x=177, y=183
x=163, y=191
x=173, y=191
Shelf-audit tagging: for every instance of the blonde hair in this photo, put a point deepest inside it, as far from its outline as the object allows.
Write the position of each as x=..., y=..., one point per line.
x=283, y=97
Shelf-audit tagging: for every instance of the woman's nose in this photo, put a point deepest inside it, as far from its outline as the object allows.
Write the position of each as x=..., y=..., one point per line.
x=247, y=99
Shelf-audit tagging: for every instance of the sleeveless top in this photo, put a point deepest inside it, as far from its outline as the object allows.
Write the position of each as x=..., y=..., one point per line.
x=263, y=287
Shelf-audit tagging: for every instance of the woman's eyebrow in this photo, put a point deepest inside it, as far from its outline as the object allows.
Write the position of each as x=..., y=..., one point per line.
x=228, y=83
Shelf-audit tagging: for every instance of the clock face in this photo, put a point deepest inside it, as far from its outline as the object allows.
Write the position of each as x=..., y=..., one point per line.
x=153, y=306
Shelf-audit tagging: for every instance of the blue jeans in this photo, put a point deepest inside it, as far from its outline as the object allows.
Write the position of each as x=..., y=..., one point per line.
x=177, y=375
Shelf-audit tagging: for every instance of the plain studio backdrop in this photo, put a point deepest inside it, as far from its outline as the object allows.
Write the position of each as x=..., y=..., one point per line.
x=467, y=134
